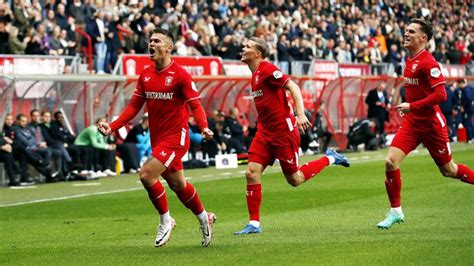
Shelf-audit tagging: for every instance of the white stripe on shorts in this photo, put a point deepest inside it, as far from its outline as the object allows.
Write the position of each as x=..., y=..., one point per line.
x=183, y=137
x=440, y=119
x=170, y=159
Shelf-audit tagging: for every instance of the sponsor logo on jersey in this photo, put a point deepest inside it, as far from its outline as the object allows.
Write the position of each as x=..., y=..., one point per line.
x=435, y=72
x=257, y=93
x=168, y=80
x=277, y=74
x=159, y=95
x=146, y=79
x=411, y=81
x=413, y=67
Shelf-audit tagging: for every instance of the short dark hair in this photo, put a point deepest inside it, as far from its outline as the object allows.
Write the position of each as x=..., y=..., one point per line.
x=165, y=32
x=262, y=46
x=426, y=26
x=34, y=110
x=56, y=114
x=20, y=116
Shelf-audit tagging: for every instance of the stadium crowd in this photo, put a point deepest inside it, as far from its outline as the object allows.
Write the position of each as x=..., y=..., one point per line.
x=349, y=31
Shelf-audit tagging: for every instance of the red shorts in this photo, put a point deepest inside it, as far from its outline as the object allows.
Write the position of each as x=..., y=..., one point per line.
x=264, y=150
x=170, y=155
x=434, y=137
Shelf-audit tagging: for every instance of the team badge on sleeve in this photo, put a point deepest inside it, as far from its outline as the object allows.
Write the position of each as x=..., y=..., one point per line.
x=435, y=72
x=277, y=74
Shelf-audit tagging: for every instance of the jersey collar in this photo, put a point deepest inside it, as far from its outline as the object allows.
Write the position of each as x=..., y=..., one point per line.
x=418, y=54
x=164, y=69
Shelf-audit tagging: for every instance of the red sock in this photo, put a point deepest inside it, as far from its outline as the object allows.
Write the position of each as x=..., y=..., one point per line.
x=393, y=184
x=158, y=197
x=189, y=197
x=314, y=167
x=254, y=199
x=465, y=174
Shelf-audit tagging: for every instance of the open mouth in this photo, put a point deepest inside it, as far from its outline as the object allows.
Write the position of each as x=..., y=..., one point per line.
x=151, y=51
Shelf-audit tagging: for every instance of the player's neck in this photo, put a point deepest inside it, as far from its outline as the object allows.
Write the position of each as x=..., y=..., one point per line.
x=161, y=64
x=414, y=52
x=254, y=64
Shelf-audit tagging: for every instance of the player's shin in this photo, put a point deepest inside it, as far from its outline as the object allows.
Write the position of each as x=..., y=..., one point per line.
x=157, y=196
x=393, y=184
x=254, y=200
x=465, y=174
x=311, y=169
x=189, y=197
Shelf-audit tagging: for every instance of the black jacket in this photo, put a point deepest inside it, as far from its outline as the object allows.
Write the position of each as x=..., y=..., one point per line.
x=374, y=110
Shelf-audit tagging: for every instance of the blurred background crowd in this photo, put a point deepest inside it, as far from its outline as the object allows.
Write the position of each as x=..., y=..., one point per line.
x=348, y=31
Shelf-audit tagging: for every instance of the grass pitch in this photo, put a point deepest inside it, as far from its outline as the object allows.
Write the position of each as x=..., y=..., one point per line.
x=329, y=220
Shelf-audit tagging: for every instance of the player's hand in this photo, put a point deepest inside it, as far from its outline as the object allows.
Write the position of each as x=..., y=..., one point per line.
x=104, y=129
x=403, y=108
x=302, y=122
x=207, y=133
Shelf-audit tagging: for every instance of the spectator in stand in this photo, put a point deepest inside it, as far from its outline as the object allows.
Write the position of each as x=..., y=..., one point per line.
x=4, y=37
x=378, y=106
x=18, y=150
x=103, y=154
x=37, y=152
x=234, y=132
x=78, y=11
x=465, y=98
x=45, y=140
x=441, y=54
x=6, y=157
x=140, y=135
x=97, y=30
x=320, y=129
x=447, y=107
x=361, y=132
x=54, y=41
x=16, y=46
x=215, y=145
x=61, y=133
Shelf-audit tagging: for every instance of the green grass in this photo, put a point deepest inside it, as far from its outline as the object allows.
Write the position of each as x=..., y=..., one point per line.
x=329, y=220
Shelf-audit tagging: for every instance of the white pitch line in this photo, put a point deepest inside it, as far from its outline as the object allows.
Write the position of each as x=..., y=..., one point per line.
x=226, y=173
x=207, y=176
x=25, y=187
x=71, y=197
x=86, y=184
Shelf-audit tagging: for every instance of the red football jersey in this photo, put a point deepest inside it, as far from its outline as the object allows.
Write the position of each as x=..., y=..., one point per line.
x=422, y=74
x=275, y=115
x=166, y=93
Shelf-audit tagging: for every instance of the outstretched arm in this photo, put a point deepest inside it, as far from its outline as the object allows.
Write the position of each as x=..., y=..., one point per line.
x=200, y=116
x=130, y=112
x=301, y=119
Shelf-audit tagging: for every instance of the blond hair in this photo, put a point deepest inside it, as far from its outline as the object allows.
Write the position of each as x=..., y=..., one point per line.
x=262, y=46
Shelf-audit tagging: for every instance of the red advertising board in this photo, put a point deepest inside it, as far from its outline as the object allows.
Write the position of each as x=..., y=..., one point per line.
x=196, y=65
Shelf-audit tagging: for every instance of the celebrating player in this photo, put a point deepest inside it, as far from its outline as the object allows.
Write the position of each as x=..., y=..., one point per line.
x=423, y=121
x=277, y=130
x=168, y=90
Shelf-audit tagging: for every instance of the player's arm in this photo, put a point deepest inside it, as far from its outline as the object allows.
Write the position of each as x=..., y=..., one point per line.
x=301, y=119
x=200, y=117
x=133, y=107
x=437, y=97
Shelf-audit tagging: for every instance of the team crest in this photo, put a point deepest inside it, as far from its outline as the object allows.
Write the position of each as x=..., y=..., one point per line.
x=413, y=68
x=168, y=80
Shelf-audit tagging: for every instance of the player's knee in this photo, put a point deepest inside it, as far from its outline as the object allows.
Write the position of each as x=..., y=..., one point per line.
x=176, y=185
x=293, y=182
x=390, y=163
x=448, y=171
x=146, y=175
x=252, y=176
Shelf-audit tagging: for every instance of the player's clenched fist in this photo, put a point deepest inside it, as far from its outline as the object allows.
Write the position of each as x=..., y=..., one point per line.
x=104, y=129
x=207, y=133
